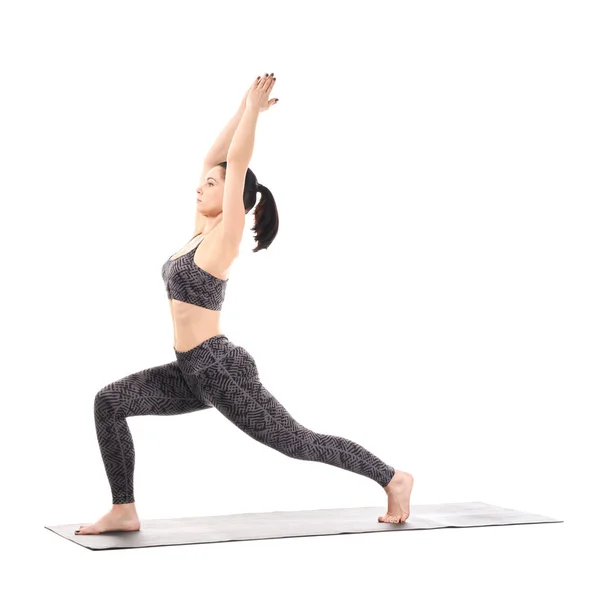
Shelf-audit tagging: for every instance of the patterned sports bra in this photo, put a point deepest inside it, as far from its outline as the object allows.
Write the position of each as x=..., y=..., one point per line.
x=187, y=282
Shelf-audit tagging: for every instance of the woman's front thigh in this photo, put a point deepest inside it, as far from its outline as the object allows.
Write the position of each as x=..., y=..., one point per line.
x=159, y=390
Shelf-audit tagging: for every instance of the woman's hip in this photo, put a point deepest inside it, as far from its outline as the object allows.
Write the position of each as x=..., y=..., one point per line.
x=217, y=354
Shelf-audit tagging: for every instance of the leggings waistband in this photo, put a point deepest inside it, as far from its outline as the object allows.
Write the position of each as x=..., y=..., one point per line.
x=205, y=354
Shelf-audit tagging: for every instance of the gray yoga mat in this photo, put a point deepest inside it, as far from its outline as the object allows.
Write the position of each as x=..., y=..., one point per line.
x=300, y=523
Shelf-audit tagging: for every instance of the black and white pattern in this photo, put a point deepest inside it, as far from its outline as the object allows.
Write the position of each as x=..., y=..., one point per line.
x=220, y=374
x=187, y=282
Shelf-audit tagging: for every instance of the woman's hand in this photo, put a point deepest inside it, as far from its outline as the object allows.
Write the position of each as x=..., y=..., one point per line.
x=258, y=93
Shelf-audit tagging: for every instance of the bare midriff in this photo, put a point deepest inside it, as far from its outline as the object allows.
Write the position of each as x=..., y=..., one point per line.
x=193, y=325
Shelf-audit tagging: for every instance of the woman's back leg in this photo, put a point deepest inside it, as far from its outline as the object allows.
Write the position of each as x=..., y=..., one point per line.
x=233, y=386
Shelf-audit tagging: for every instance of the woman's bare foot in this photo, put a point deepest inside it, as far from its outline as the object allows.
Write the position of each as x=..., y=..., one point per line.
x=122, y=517
x=398, y=491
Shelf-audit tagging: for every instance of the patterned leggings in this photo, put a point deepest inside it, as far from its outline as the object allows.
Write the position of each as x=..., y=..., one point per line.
x=224, y=375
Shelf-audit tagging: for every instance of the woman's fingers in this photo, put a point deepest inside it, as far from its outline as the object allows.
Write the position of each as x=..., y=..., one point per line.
x=265, y=81
x=269, y=82
x=262, y=86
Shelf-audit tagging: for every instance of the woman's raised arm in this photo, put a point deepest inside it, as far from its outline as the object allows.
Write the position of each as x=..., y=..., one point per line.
x=219, y=150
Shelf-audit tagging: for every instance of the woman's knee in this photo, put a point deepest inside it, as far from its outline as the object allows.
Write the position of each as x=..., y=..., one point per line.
x=107, y=400
x=301, y=445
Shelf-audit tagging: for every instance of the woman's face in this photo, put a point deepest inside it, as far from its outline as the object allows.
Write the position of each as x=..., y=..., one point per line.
x=211, y=192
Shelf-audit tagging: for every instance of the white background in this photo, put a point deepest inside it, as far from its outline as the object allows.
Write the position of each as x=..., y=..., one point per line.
x=428, y=294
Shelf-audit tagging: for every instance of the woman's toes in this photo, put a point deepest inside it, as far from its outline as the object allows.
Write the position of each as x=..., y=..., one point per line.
x=82, y=527
x=388, y=519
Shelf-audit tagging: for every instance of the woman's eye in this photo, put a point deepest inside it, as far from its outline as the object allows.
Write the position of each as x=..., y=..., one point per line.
x=210, y=183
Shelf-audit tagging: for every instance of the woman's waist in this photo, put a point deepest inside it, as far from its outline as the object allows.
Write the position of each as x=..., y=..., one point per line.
x=193, y=318
x=191, y=330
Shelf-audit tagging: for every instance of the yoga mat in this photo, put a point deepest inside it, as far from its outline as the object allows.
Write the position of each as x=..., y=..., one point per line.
x=300, y=523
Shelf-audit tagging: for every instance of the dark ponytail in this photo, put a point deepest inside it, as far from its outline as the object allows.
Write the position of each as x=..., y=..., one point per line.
x=266, y=214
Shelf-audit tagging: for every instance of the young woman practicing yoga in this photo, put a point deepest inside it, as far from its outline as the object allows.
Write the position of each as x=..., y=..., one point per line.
x=209, y=370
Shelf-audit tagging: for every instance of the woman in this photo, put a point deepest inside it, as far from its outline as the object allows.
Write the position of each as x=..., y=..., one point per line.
x=210, y=370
